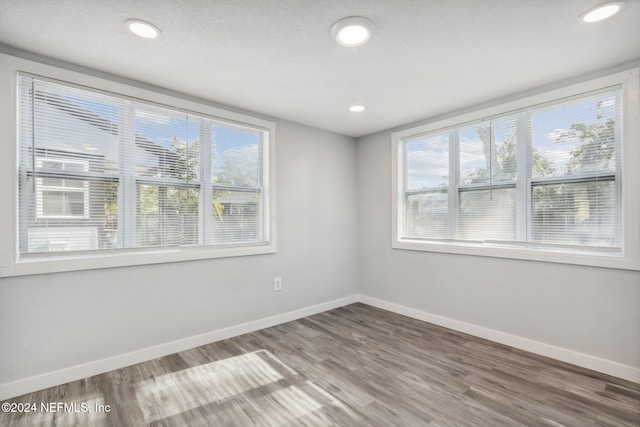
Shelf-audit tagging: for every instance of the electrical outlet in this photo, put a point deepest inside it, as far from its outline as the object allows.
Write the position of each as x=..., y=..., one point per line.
x=277, y=284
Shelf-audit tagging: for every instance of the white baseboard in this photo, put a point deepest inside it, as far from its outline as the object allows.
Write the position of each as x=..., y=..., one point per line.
x=73, y=373
x=575, y=358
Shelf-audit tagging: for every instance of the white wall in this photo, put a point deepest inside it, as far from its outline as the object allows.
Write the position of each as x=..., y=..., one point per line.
x=590, y=310
x=334, y=240
x=56, y=321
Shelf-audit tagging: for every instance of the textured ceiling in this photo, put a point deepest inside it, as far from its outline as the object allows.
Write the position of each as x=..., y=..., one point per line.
x=276, y=57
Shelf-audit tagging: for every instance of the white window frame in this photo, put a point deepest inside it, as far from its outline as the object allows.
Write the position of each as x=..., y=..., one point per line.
x=629, y=258
x=12, y=264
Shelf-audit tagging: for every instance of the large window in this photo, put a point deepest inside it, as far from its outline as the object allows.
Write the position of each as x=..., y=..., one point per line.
x=103, y=175
x=541, y=179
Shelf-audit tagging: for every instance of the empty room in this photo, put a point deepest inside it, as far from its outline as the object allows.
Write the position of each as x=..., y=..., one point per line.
x=320, y=213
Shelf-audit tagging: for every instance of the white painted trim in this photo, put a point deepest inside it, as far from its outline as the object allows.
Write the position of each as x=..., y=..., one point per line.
x=594, y=363
x=73, y=373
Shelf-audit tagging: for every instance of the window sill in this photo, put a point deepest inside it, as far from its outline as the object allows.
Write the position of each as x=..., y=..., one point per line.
x=593, y=259
x=57, y=264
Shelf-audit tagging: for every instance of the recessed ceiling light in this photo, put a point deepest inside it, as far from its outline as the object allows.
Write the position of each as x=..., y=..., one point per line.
x=353, y=31
x=143, y=29
x=357, y=108
x=602, y=11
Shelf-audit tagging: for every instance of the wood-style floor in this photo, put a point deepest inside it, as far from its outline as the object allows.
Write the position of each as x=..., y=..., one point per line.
x=353, y=366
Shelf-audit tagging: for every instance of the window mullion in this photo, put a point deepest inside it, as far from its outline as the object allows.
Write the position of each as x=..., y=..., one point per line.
x=454, y=180
x=127, y=187
x=206, y=196
x=263, y=181
x=523, y=175
x=403, y=229
x=618, y=126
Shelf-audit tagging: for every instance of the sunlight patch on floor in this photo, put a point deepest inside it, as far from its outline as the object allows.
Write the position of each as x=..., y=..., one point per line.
x=258, y=380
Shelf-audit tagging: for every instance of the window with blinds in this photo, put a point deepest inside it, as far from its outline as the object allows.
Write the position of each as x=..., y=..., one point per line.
x=103, y=172
x=548, y=176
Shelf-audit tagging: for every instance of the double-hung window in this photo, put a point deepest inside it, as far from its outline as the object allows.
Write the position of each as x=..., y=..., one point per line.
x=106, y=179
x=548, y=178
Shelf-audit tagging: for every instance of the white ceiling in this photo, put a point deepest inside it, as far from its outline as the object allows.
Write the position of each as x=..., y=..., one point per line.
x=276, y=57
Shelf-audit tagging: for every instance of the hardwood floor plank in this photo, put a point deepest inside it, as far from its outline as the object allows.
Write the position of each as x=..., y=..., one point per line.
x=352, y=366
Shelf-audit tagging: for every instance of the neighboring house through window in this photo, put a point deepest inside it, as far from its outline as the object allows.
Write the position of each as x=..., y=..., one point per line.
x=60, y=195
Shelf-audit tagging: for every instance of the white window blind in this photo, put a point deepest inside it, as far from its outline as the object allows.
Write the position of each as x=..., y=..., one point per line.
x=544, y=176
x=103, y=172
x=427, y=184
x=575, y=197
